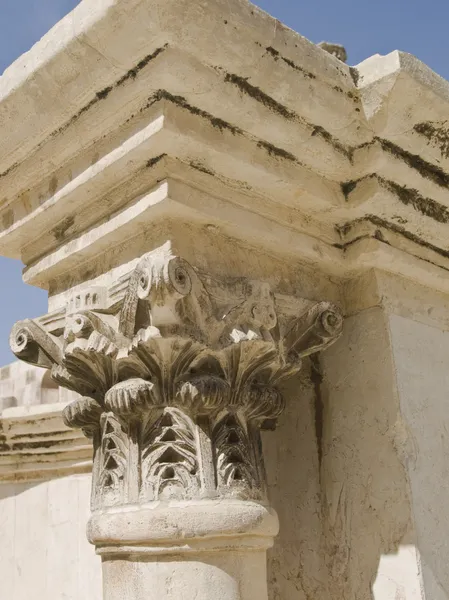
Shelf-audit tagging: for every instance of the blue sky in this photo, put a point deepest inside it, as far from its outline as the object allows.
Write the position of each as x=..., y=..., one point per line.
x=364, y=27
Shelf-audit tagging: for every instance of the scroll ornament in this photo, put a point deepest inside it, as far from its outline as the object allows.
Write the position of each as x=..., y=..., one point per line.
x=176, y=377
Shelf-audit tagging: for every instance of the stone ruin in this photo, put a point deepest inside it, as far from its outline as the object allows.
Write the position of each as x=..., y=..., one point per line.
x=244, y=356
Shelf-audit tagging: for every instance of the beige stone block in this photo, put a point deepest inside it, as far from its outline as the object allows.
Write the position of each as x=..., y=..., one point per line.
x=207, y=196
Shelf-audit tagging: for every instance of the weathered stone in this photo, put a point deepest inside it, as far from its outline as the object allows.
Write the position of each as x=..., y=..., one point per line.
x=177, y=386
x=205, y=195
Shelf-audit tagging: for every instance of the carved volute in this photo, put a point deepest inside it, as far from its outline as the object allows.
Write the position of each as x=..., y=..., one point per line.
x=178, y=373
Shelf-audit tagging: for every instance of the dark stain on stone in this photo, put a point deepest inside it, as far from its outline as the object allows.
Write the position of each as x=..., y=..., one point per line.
x=53, y=185
x=344, y=229
x=316, y=378
x=182, y=102
x=278, y=56
x=408, y=196
x=378, y=235
x=438, y=136
x=254, y=92
x=100, y=95
x=275, y=151
x=318, y=130
x=411, y=197
x=153, y=161
x=426, y=169
x=60, y=230
x=269, y=425
x=200, y=167
x=354, y=75
x=351, y=242
x=347, y=187
x=219, y=123
x=48, y=457
x=132, y=73
x=104, y=93
x=39, y=444
x=42, y=434
x=8, y=170
x=240, y=82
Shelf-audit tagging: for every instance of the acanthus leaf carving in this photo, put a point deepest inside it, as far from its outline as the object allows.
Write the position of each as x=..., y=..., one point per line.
x=203, y=394
x=176, y=380
x=84, y=413
x=132, y=397
x=263, y=402
x=170, y=457
x=114, y=461
x=236, y=470
x=65, y=379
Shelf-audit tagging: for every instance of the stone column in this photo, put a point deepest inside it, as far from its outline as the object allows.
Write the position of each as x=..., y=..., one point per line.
x=178, y=375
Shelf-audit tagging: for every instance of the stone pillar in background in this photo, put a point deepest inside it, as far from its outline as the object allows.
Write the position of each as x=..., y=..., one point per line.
x=178, y=377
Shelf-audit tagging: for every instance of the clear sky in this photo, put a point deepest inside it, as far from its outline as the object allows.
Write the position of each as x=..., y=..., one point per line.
x=364, y=27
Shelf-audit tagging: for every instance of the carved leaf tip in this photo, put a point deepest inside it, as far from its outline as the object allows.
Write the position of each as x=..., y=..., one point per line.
x=131, y=396
x=83, y=413
x=204, y=393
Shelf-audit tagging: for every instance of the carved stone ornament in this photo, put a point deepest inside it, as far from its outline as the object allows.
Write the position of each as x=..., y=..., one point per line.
x=178, y=373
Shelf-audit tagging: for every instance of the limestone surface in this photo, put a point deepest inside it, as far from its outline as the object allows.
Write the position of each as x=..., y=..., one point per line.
x=244, y=244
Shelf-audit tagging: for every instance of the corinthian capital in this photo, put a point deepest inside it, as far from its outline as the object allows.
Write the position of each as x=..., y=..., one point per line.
x=178, y=373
